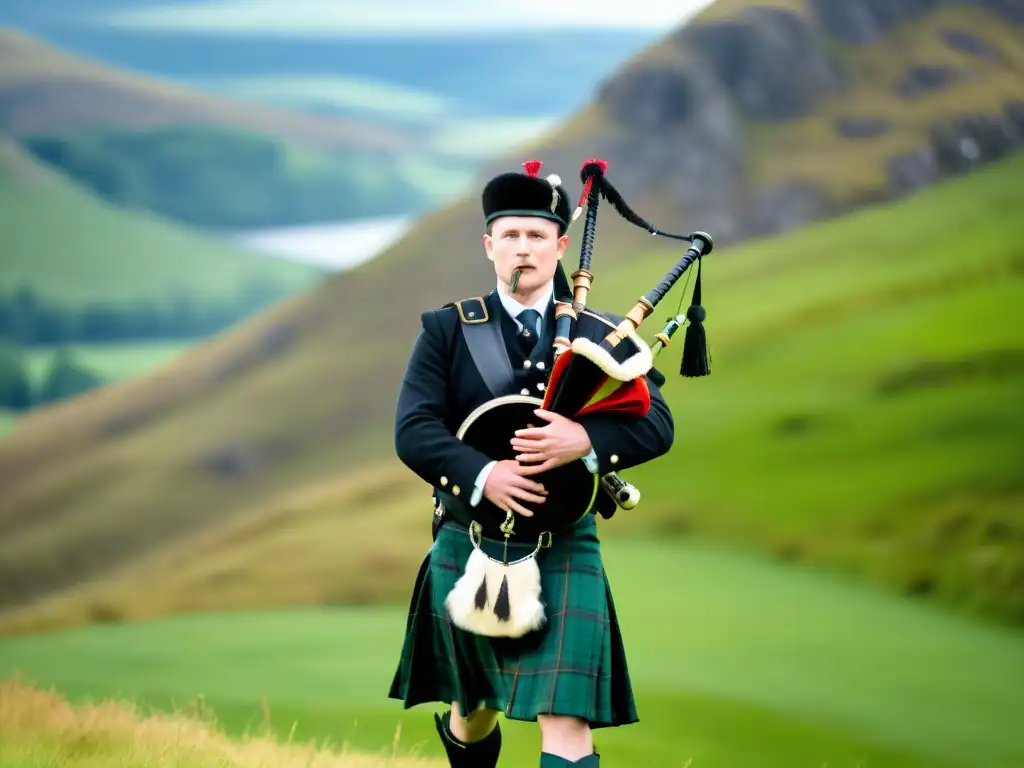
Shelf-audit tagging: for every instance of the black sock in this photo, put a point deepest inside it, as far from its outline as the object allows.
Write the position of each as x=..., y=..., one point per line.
x=475, y=754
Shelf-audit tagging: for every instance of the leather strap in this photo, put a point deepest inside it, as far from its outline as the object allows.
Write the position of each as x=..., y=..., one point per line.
x=486, y=345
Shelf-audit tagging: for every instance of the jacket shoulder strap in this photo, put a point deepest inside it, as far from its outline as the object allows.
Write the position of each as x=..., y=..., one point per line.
x=482, y=333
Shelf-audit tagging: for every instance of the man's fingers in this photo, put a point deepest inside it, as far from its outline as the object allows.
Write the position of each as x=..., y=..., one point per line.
x=523, y=446
x=522, y=493
x=518, y=508
x=526, y=484
x=536, y=469
x=549, y=416
x=532, y=433
x=532, y=457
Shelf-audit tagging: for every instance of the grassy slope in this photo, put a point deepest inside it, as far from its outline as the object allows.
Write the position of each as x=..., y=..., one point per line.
x=111, y=362
x=73, y=248
x=897, y=459
x=68, y=90
x=736, y=662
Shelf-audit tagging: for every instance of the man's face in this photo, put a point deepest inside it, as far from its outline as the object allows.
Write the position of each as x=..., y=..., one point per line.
x=530, y=243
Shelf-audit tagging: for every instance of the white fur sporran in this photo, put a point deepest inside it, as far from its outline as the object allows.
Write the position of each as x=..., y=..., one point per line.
x=496, y=598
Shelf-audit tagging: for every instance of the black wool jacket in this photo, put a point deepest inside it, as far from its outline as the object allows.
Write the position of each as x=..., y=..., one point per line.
x=441, y=387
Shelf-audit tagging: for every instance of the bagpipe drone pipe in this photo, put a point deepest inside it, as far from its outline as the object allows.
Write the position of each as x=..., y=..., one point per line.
x=605, y=376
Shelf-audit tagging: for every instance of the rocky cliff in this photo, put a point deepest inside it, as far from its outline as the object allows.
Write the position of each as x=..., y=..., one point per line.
x=758, y=117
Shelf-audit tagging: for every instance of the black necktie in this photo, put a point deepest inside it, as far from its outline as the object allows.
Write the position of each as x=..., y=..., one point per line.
x=528, y=335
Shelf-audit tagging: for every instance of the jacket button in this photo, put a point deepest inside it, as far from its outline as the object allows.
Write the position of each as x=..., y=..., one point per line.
x=614, y=459
x=540, y=386
x=527, y=364
x=524, y=391
x=540, y=366
x=455, y=490
x=444, y=481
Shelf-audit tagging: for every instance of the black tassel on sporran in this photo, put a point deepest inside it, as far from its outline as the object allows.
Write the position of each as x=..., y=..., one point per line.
x=501, y=606
x=480, y=601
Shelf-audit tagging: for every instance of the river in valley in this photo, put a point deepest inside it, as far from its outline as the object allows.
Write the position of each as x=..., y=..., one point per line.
x=333, y=245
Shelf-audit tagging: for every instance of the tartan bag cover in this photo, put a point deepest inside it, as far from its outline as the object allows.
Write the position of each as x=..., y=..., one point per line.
x=574, y=665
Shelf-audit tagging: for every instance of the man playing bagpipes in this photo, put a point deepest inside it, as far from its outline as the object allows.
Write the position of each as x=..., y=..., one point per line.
x=511, y=611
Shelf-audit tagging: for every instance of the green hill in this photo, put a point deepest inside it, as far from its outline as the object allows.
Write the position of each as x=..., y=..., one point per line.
x=861, y=415
x=42, y=87
x=144, y=143
x=73, y=249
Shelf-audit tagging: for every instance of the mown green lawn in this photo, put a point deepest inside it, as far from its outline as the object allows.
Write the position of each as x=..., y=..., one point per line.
x=736, y=661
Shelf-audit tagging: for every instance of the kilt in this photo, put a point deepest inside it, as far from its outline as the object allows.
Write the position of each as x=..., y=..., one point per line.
x=574, y=665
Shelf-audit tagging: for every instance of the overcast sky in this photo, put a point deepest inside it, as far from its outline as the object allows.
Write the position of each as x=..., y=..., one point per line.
x=403, y=16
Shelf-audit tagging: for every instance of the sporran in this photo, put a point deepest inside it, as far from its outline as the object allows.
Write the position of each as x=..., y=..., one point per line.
x=498, y=598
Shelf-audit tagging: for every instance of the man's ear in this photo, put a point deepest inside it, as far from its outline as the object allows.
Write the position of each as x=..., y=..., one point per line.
x=489, y=247
x=563, y=243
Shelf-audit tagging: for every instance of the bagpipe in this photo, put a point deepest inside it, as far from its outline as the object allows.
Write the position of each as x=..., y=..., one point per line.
x=606, y=376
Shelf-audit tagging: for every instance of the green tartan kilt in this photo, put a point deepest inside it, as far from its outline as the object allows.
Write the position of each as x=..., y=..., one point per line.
x=574, y=665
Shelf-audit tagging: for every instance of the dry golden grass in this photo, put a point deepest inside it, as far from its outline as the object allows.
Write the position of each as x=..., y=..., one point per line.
x=67, y=90
x=40, y=727
x=347, y=542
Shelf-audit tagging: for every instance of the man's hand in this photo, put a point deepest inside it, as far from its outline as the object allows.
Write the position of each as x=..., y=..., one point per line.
x=560, y=441
x=506, y=483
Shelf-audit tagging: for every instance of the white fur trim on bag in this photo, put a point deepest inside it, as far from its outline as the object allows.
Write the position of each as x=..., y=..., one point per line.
x=632, y=368
x=526, y=611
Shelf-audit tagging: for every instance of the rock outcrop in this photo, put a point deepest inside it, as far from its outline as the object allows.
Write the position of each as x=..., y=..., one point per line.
x=687, y=119
x=862, y=22
x=957, y=146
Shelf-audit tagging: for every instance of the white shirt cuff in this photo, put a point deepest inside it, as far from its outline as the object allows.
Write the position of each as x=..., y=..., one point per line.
x=591, y=461
x=481, y=480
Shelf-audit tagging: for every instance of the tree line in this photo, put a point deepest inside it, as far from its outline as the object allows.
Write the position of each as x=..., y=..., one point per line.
x=65, y=377
x=221, y=178
x=30, y=320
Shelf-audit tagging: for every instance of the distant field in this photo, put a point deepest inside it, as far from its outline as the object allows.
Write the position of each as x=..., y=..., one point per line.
x=344, y=94
x=112, y=362
x=44, y=87
x=75, y=249
x=736, y=662
x=231, y=179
